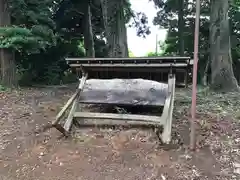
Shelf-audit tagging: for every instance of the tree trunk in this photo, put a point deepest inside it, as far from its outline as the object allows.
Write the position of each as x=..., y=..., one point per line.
x=88, y=31
x=8, y=68
x=181, y=27
x=114, y=22
x=222, y=78
x=7, y=64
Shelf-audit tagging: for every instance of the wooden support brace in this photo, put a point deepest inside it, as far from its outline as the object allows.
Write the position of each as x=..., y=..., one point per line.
x=68, y=123
x=65, y=107
x=70, y=101
x=109, y=122
x=168, y=111
x=69, y=120
x=123, y=117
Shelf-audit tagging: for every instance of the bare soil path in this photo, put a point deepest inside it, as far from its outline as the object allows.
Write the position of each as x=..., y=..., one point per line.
x=27, y=153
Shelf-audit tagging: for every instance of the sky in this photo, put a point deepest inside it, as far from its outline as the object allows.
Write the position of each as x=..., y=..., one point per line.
x=138, y=45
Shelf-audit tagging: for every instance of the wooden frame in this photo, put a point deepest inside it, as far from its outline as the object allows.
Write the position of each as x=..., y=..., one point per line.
x=126, y=65
x=165, y=120
x=150, y=65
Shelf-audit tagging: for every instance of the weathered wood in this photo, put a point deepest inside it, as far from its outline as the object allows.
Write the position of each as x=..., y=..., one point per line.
x=134, y=92
x=123, y=117
x=138, y=92
x=90, y=118
x=142, y=65
x=65, y=107
x=70, y=101
x=133, y=69
x=109, y=122
x=69, y=120
x=129, y=58
x=168, y=111
x=134, y=65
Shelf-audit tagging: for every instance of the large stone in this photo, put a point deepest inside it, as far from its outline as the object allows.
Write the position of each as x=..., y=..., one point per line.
x=124, y=92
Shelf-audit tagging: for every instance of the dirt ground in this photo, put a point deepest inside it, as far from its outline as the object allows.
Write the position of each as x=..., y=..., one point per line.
x=27, y=153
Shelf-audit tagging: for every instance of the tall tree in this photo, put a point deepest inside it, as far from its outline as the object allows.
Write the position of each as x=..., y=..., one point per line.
x=88, y=31
x=7, y=63
x=222, y=77
x=167, y=17
x=115, y=28
x=43, y=32
x=181, y=27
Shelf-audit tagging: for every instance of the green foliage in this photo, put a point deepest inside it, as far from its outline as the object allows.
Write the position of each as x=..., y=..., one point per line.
x=33, y=27
x=162, y=47
x=167, y=18
x=27, y=13
x=39, y=46
x=152, y=54
x=44, y=32
x=28, y=40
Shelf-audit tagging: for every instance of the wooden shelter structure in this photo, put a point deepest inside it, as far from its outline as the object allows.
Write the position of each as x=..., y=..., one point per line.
x=153, y=68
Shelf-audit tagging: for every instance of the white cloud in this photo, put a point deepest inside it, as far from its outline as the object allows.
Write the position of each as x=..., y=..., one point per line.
x=140, y=46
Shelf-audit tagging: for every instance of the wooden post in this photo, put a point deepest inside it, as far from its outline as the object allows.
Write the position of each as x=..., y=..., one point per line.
x=168, y=110
x=68, y=123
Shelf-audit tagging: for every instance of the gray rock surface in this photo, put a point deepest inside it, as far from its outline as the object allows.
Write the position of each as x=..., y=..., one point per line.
x=124, y=92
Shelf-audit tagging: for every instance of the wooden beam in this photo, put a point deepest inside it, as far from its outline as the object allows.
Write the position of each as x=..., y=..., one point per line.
x=70, y=101
x=119, y=65
x=123, y=117
x=133, y=69
x=131, y=58
x=167, y=129
x=110, y=122
x=68, y=123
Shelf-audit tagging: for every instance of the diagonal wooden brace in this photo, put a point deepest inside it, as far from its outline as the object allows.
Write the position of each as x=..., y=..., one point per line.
x=72, y=100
